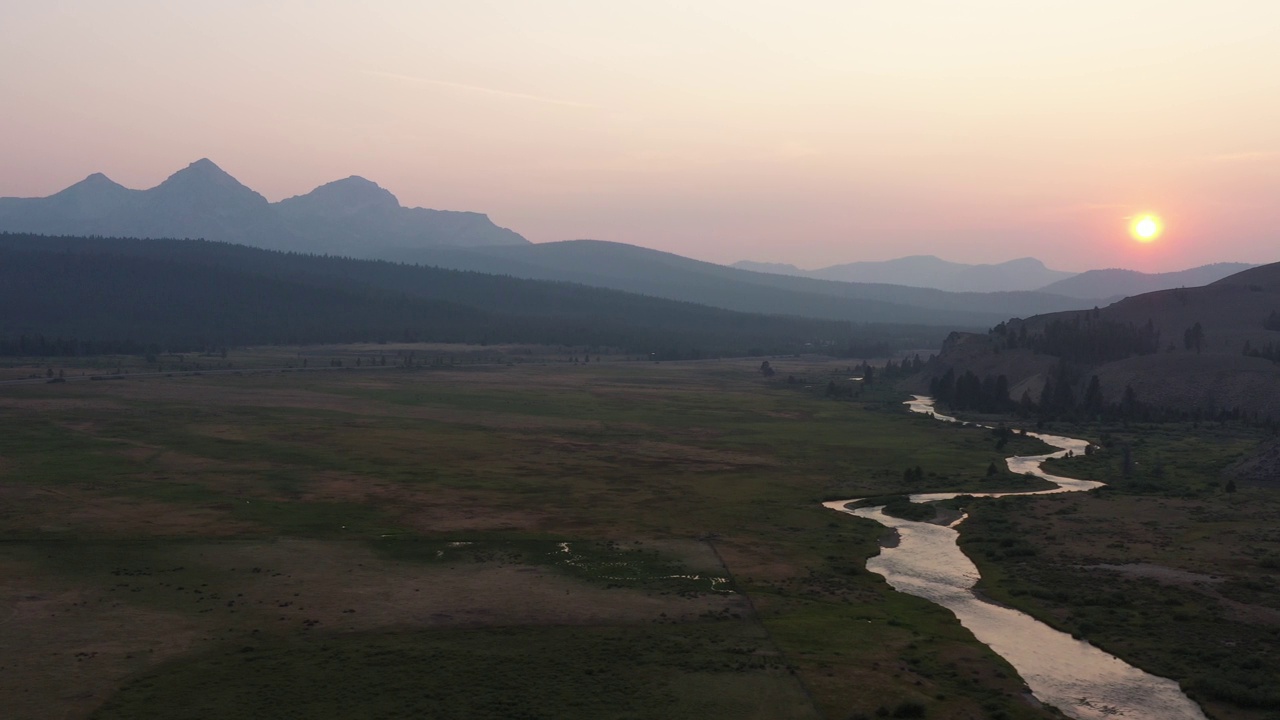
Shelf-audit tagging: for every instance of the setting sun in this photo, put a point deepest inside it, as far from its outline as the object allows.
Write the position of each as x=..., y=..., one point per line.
x=1146, y=228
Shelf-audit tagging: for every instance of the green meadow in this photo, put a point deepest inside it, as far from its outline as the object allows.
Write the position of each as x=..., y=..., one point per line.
x=505, y=539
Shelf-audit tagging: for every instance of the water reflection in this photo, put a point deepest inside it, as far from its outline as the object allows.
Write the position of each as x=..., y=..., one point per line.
x=1071, y=675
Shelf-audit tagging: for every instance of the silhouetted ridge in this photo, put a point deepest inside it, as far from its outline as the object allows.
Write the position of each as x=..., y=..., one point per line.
x=352, y=217
x=928, y=271
x=352, y=194
x=1115, y=283
x=1267, y=276
x=204, y=183
x=92, y=194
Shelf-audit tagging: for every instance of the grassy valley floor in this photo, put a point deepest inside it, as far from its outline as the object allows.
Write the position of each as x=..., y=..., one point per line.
x=612, y=539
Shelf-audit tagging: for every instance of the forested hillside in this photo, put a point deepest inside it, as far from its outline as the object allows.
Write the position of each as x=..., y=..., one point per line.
x=1208, y=351
x=72, y=295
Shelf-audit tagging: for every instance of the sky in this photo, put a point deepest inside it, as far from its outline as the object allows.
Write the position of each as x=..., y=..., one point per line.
x=813, y=133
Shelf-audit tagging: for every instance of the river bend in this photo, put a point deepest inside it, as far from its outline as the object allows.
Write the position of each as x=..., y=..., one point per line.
x=1071, y=675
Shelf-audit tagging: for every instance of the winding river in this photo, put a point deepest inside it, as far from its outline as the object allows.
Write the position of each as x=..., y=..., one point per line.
x=1071, y=675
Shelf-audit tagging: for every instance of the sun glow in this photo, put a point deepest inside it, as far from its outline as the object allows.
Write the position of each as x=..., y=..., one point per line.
x=1146, y=228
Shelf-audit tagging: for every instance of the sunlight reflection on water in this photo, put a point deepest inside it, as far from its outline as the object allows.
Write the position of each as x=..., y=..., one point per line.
x=1071, y=675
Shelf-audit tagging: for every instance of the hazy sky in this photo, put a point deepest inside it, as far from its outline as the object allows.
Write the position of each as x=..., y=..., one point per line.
x=805, y=132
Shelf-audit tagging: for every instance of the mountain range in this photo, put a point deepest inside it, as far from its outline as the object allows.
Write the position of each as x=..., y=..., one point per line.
x=357, y=218
x=929, y=271
x=346, y=217
x=660, y=274
x=1022, y=274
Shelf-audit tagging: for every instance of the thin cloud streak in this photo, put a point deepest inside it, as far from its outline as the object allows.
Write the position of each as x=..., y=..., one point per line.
x=481, y=89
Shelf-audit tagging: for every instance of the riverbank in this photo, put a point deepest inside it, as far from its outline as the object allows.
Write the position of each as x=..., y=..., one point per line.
x=1164, y=567
x=1073, y=676
x=1126, y=568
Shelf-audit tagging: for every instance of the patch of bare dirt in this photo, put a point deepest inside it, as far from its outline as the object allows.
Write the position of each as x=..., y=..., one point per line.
x=710, y=458
x=788, y=415
x=324, y=580
x=192, y=392
x=139, y=453
x=755, y=561
x=184, y=465
x=221, y=431
x=652, y=452
x=81, y=510
x=125, y=516
x=47, y=404
x=428, y=509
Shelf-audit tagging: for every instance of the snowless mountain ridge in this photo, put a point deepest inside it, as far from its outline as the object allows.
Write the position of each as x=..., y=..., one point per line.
x=353, y=216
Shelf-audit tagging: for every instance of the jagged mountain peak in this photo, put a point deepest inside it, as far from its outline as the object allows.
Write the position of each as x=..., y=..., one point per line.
x=96, y=183
x=353, y=216
x=203, y=181
x=92, y=196
x=203, y=168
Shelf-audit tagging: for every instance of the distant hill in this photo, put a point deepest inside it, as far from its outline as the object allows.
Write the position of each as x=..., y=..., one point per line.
x=927, y=271
x=73, y=295
x=1204, y=349
x=775, y=268
x=652, y=272
x=352, y=217
x=1115, y=283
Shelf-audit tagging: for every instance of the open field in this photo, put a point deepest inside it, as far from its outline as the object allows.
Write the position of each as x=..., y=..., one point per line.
x=613, y=539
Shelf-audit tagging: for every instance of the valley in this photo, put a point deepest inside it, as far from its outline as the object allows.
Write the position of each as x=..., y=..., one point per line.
x=167, y=532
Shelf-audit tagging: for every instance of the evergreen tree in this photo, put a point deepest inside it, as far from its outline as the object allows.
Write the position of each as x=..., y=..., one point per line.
x=1193, y=338
x=1093, y=403
x=1129, y=405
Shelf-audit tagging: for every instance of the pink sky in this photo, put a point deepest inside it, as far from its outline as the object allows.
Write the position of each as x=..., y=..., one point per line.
x=825, y=133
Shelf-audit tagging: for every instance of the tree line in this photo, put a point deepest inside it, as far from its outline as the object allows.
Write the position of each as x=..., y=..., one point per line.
x=1059, y=399
x=65, y=296
x=1085, y=338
